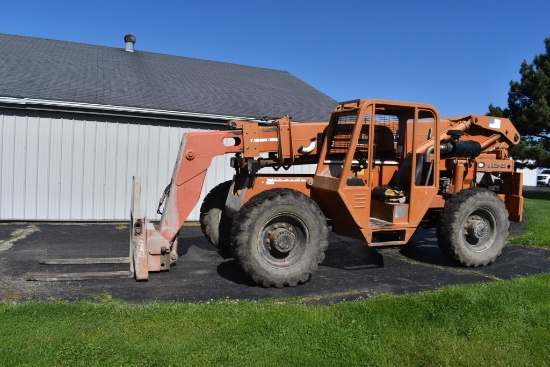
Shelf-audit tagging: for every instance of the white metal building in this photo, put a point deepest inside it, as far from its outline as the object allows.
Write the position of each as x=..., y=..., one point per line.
x=75, y=127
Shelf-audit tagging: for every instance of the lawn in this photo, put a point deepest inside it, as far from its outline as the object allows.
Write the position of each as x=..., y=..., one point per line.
x=505, y=323
x=537, y=225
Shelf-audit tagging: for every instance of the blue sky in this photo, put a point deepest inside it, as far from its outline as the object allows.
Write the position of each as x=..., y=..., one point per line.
x=457, y=55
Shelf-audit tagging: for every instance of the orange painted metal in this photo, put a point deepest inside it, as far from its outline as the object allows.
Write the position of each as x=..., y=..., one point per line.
x=287, y=181
x=458, y=177
x=347, y=184
x=348, y=195
x=195, y=156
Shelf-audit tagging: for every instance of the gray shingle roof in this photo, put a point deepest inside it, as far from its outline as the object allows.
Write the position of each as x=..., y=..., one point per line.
x=65, y=71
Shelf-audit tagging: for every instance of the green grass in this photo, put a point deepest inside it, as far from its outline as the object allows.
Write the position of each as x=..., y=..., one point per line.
x=505, y=323
x=537, y=225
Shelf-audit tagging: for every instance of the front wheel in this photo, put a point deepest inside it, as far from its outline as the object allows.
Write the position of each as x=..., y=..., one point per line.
x=215, y=225
x=473, y=227
x=279, y=237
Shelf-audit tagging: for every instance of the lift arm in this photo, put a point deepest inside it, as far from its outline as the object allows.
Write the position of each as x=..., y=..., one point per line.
x=285, y=143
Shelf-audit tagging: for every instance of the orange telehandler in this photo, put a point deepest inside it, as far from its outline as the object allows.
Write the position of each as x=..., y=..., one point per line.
x=383, y=168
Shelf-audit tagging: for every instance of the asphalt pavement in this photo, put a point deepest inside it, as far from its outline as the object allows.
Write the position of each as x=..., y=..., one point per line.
x=351, y=269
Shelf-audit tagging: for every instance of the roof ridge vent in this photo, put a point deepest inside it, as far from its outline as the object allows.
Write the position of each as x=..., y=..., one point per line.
x=130, y=39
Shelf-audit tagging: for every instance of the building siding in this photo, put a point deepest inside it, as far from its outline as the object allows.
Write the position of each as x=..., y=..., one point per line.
x=59, y=166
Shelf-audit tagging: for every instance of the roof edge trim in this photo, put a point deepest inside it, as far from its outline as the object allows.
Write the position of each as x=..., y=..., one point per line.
x=114, y=108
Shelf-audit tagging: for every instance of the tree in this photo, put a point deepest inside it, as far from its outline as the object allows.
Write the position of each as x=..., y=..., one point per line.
x=529, y=110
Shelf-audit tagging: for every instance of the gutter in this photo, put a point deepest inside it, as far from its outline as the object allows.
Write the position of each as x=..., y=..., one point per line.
x=65, y=106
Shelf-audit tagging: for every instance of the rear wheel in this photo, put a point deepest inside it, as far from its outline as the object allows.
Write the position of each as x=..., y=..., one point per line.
x=473, y=227
x=279, y=237
x=215, y=225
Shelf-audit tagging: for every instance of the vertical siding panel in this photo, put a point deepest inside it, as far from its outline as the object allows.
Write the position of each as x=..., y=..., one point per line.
x=31, y=166
x=54, y=164
x=133, y=159
x=152, y=178
x=78, y=167
x=163, y=175
x=128, y=173
x=3, y=153
x=111, y=152
x=37, y=166
x=121, y=174
x=142, y=168
x=100, y=163
x=42, y=190
x=18, y=175
x=89, y=170
x=8, y=158
x=66, y=169
x=175, y=141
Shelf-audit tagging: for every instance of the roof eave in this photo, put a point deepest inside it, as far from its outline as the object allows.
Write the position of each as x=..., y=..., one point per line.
x=67, y=106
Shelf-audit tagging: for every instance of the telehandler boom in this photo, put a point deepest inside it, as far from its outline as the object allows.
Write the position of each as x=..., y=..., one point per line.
x=383, y=168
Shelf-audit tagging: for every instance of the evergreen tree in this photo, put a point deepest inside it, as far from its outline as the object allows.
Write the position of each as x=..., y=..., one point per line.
x=529, y=110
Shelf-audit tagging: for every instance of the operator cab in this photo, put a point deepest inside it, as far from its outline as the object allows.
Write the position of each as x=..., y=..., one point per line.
x=377, y=160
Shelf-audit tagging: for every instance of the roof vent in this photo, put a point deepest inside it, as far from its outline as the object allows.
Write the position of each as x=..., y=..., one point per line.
x=130, y=40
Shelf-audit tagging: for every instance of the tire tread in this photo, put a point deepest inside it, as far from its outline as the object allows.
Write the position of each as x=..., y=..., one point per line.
x=246, y=218
x=448, y=235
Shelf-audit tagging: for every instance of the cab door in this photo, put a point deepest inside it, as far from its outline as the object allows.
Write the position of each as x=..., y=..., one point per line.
x=424, y=169
x=342, y=180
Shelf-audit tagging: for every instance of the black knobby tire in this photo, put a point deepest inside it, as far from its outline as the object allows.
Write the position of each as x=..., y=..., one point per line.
x=473, y=227
x=279, y=237
x=215, y=225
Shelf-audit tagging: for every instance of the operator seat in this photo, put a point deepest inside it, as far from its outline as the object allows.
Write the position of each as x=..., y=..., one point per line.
x=402, y=177
x=399, y=186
